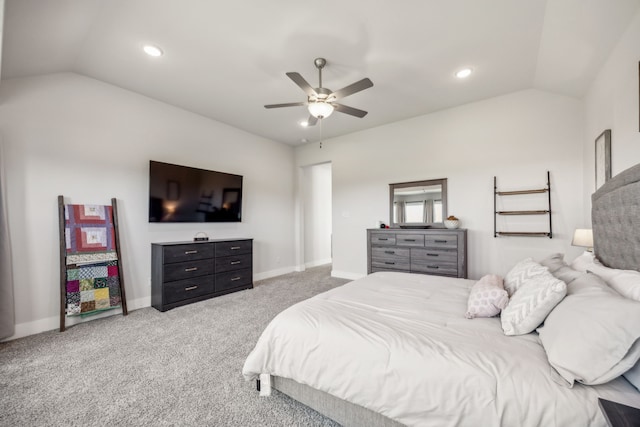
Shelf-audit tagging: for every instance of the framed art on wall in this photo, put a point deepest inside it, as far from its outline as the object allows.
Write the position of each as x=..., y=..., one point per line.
x=603, y=158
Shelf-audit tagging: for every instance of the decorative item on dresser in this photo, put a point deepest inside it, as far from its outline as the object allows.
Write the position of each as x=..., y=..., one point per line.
x=186, y=272
x=434, y=251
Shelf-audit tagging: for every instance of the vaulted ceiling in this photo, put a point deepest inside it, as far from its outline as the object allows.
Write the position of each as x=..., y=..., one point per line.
x=227, y=59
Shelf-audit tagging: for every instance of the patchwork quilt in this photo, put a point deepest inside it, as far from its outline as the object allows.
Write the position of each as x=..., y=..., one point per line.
x=92, y=288
x=93, y=282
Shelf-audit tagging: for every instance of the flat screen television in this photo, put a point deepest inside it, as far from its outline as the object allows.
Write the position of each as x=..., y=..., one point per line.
x=185, y=194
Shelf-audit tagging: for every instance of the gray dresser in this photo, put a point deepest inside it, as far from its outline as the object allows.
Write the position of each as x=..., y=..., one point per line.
x=438, y=251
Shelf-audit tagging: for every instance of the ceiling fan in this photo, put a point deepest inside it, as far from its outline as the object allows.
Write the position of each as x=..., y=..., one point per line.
x=321, y=101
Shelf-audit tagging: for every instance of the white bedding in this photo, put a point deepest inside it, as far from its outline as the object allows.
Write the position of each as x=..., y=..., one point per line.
x=399, y=344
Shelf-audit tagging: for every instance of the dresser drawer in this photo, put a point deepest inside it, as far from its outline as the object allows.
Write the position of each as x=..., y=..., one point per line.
x=435, y=254
x=378, y=269
x=393, y=254
x=237, y=247
x=403, y=264
x=439, y=268
x=186, y=270
x=441, y=241
x=231, y=263
x=383, y=239
x=180, y=253
x=233, y=279
x=410, y=240
x=189, y=288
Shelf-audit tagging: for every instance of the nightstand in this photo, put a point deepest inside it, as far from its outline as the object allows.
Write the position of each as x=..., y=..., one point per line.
x=619, y=415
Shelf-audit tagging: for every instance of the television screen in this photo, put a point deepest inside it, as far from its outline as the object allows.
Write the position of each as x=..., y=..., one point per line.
x=185, y=194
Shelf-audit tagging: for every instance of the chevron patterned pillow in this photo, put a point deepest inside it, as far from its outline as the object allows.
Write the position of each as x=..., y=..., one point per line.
x=520, y=273
x=531, y=303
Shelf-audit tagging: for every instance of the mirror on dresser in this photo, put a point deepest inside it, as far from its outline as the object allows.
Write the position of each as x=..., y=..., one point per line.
x=418, y=204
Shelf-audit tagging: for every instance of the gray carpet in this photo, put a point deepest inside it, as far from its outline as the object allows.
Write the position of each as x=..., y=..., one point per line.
x=179, y=368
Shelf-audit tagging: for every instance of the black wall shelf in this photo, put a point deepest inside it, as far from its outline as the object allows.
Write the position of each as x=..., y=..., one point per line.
x=547, y=211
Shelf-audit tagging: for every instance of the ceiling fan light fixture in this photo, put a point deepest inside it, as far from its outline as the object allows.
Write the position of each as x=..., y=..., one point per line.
x=320, y=109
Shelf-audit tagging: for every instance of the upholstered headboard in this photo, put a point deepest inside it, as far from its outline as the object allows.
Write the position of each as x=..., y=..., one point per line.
x=615, y=217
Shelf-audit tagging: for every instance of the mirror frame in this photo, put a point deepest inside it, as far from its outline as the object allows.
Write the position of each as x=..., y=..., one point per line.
x=393, y=187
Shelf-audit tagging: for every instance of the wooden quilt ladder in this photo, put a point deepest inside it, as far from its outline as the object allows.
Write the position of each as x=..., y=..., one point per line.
x=91, y=279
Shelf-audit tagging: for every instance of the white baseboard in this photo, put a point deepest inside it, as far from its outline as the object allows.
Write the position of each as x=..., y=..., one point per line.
x=312, y=264
x=346, y=275
x=51, y=323
x=273, y=273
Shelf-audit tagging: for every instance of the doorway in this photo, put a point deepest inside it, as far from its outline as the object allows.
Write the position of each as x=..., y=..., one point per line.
x=317, y=214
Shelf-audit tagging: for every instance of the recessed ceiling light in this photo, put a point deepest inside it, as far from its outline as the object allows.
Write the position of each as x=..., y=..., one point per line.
x=152, y=50
x=464, y=73
x=304, y=123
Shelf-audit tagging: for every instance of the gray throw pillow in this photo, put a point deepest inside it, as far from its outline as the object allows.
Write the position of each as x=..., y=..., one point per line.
x=560, y=269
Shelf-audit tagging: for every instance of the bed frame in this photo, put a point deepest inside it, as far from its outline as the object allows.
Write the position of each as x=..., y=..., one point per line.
x=616, y=232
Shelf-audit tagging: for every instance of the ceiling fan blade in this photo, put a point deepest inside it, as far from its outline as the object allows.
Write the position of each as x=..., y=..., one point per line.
x=349, y=110
x=289, y=104
x=304, y=85
x=351, y=89
x=312, y=121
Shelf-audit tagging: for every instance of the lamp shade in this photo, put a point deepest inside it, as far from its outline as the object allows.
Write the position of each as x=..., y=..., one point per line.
x=320, y=109
x=583, y=237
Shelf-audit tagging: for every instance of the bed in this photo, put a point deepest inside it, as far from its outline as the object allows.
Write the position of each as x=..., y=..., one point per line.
x=395, y=348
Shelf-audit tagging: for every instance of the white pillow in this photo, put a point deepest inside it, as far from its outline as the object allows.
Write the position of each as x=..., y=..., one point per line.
x=531, y=303
x=487, y=297
x=522, y=271
x=626, y=282
x=593, y=335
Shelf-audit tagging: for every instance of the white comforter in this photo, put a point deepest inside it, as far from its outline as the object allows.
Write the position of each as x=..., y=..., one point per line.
x=399, y=344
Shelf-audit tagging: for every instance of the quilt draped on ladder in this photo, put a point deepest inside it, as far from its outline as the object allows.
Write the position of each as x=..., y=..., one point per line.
x=93, y=282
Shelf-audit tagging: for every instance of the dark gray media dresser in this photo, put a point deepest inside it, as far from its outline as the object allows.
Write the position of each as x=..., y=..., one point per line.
x=186, y=272
x=437, y=251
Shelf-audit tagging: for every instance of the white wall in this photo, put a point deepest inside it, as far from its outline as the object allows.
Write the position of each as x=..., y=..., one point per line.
x=317, y=214
x=612, y=103
x=516, y=137
x=90, y=141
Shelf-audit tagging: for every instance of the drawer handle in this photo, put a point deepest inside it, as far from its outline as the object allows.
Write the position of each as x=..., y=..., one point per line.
x=235, y=262
x=440, y=241
x=433, y=254
x=390, y=263
x=409, y=240
x=234, y=248
x=383, y=238
x=433, y=266
x=191, y=269
x=190, y=252
x=235, y=278
x=390, y=252
x=190, y=288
